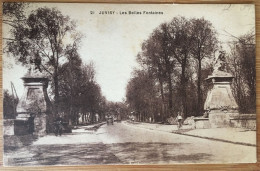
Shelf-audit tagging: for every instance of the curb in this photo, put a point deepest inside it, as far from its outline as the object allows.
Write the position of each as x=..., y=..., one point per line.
x=215, y=139
x=203, y=137
x=95, y=126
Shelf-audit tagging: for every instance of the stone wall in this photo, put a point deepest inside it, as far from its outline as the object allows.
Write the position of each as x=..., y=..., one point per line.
x=247, y=121
x=202, y=123
x=225, y=120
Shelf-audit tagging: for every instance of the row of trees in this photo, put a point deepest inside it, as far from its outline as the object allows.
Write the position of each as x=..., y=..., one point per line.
x=79, y=93
x=174, y=61
x=47, y=41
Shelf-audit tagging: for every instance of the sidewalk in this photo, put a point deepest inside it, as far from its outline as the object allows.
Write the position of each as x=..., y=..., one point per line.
x=92, y=127
x=78, y=136
x=231, y=135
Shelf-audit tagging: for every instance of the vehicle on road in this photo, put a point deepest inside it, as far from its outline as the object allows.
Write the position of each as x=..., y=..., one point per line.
x=110, y=120
x=57, y=128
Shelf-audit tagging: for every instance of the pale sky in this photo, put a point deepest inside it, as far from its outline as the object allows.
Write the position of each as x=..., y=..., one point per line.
x=112, y=41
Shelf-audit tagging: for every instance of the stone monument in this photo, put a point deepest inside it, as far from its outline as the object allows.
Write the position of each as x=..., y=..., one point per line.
x=34, y=106
x=220, y=102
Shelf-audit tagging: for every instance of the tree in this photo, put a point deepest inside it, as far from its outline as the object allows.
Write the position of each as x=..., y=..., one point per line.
x=157, y=57
x=169, y=56
x=142, y=96
x=181, y=41
x=9, y=105
x=91, y=98
x=242, y=65
x=79, y=92
x=39, y=41
x=13, y=16
x=169, y=62
x=204, y=44
x=13, y=13
x=69, y=85
x=150, y=59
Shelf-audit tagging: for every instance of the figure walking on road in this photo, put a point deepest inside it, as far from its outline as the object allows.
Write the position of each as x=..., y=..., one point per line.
x=179, y=117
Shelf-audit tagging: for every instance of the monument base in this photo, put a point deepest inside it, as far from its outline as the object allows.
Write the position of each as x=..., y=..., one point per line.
x=21, y=127
x=202, y=123
x=219, y=120
x=24, y=125
x=40, y=124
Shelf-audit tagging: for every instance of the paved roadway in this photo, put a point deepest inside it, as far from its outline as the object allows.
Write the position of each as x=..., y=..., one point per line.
x=122, y=143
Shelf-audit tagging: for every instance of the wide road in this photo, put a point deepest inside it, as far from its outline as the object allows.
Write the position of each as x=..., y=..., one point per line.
x=123, y=143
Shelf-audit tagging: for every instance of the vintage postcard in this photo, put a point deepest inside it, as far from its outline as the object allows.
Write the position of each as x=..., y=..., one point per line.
x=127, y=84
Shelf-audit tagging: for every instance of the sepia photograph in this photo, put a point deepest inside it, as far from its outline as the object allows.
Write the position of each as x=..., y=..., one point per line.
x=128, y=84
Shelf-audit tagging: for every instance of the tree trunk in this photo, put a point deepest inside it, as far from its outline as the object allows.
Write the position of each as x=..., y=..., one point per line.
x=199, y=88
x=169, y=81
x=56, y=93
x=162, y=94
x=92, y=116
x=183, y=88
x=85, y=117
x=56, y=82
x=77, y=118
x=170, y=91
x=82, y=118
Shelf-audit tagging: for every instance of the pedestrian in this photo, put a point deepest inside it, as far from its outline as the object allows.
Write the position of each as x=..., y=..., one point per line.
x=179, y=118
x=206, y=113
x=97, y=117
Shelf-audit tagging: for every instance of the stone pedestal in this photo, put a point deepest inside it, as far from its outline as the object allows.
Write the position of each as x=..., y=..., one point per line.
x=220, y=98
x=220, y=102
x=33, y=107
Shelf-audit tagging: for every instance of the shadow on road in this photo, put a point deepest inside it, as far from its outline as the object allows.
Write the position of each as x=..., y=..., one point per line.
x=155, y=153
x=117, y=153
